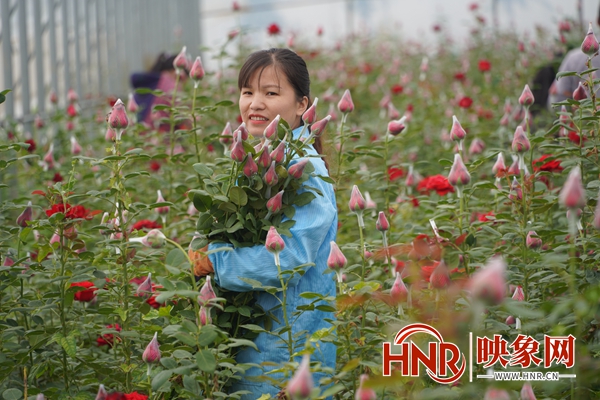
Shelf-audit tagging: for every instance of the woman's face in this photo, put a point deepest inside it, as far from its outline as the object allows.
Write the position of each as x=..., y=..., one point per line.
x=261, y=101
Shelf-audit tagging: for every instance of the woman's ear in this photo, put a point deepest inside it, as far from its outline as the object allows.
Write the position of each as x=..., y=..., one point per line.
x=302, y=106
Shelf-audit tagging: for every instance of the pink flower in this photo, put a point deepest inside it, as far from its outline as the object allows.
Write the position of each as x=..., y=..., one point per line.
x=271, y=176
x=527, y=390
x=310, y=115
x=301, y=384
x=226, y=136
x=580, y=93
x=396, y=127
x=53, y=97
x=357, y=202
x=25, y=216
x=72, y=96
x=163, y=210
x=154, y=239
x=382, y=223
x=296, y=170
x=271, y=129
x=102, y=394
x=590, y=44
x=496, y=394
x=152, y=353
x=477, y=146
x=197, y=71
x=398, y=292
x=207, y=294
x=533, y=241
x=318, y=127
x=132, y=105
x=110, y=135
x=572, y=194
x=264, y=159
x=238, y=153
x=459, y=175
x=243, y=131
x=204, y=316
x=457, y=132
x=526, y=99
x=181, y=60
x=117, y=118
x=596, y=221
x=465, y=102
x=250, y=168
x=75, y=147
x=49, y=157
x=440, y=277
x=336, y=259
x=274, y=242
x=515, y=190
x=274, y=204
x=364, y=393
x=145, y=288
x=279, y=153
x=520, y=143
x=518, y=295
x=345, y=104
x=488, y=284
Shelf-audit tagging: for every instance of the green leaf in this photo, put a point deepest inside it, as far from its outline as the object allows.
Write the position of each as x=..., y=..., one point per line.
x=565, y=73
x=207, y=336
x=175, y=258
x=12, y=394
x=67, y=343
x=304, y=198
x=224, y=103
x=242, y=342
x=160, y=379
x=332, y=390
x=206, y=361
x=191, y=385
x=227, y=207
x=185, y=338
x=203, y=170
x=238, y=196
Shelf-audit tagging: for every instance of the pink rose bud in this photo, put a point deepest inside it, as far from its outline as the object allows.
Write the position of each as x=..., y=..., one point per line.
x=270, y=177
x=396, y=127
x=477, y=146
x=145, y=288
x=357, y=202
x=40, y=396
x=243, y=131
x=563, y=118
x=274, y=204
x=278, y=155
x=207, y=294
x=197, y=71
x=132, y=105
x=510, y=320
x=590, y=44
x=382, y=223
x=393, y=112
x=345, y=104
x=457, y=132
x=572, y=194
x=596, y=221
x=271, y=129
x=580, y=93
x=181, y=61
x=152, y=353
x=519, y=295
x=370, y=202
x=39, y=122
x=332, y=112
x=440, y=277
x=154, y=239
x=250, y=168
x=364, y=393
x=526, y=99
x=227, y=135
x=238, y=153
x=398, y=292
x=72, y=96
x=488, y=284
x=75, y=147
x=527, y=390
x=301, y=384
x=53, y=97
x=70, y=126
x=110, y=135
x=204, y=316
x=499, y=166
x=25, y=216
x=274, y=242
x=264, y=159
x=318, y=127
x=459, y=175
x=310, y=115
x=520, y=143
x=102, y=394
x=296, y=170
x=505, y=120
x=514, y=167
x=117, y=118
x=336, y=259
x=515, y=190
x=49, y=157
x=496, y=394
x=160, y=199
x=533, y=241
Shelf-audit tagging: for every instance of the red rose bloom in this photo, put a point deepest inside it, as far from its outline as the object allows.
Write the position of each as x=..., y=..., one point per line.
x=397, y=89
x=71, y=212
x=135, y=396
x=76, y=212
x=484, y=217
x=115, y=396
x=395, y=173
x=57, y=177
x=465, y=102
x=439, y=183
x=410, y=108
x=154, y=166
x=460, y=76
x=72, y=111
x=550, y=166
x=427, y=270
x=32, y=146
x=108, y=338
x=87, y=294
x=575, y=138
x=484, y=65
x=57, y=208
x=273, y=29
x=146, y=225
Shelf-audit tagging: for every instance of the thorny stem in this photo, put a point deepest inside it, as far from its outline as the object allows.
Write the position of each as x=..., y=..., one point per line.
x=341, y=152
x=290, y=342
x=194, y=132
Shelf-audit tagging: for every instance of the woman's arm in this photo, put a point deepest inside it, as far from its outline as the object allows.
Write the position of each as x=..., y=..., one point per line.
x=313, y=221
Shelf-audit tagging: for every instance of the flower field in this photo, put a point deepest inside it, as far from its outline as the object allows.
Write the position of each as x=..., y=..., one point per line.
x=458, y=208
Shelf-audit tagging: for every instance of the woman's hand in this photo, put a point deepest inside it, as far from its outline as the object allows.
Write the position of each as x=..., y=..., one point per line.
x=202, y=264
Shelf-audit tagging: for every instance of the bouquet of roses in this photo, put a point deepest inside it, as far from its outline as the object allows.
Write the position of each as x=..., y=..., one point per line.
x=262, y=185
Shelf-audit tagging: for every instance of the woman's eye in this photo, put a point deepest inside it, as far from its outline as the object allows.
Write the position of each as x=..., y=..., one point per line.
x=246, y=92
x=272, y=94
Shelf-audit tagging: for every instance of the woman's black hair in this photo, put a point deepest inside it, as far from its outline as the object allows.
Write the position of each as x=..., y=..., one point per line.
x=164, y=62
x=293, y=67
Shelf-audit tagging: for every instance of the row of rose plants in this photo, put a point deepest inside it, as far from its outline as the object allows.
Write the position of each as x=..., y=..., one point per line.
x=101, y=218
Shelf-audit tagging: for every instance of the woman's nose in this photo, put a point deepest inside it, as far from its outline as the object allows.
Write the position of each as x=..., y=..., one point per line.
x=257, y=103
